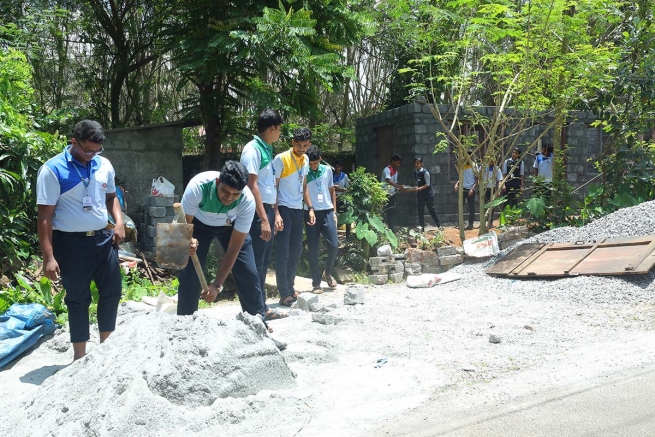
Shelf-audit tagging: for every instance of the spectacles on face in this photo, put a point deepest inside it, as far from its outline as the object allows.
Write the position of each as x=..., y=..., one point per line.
x=88, y=152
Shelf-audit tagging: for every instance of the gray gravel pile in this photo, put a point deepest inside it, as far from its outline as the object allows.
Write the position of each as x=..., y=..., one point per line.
x=627, y=222
x=158, y=375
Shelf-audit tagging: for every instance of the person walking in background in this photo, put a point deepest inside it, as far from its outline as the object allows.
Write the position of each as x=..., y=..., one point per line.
x=221, y=206
x=321, y=196
x=543, y=166
x=291, y=167
x=76, y=193
x=468, y=192
x=389, y=181
x=257, y=158
x=492, y=180
x=424, y=194
x=513, y=186
x=341, y=183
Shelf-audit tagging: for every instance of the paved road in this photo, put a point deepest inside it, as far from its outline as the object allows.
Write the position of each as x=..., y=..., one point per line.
x=622, y=404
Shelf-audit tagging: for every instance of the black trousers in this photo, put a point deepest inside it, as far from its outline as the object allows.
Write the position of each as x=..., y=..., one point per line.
x=82, y=259
x=262, y=249
x=244, y=272
x=423, y=198
x=513, y=194
x=341, y=208
x=470, y=200
x=390, y=211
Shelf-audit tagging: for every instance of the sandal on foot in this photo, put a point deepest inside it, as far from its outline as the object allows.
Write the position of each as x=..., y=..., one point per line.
x=287, y=301
x=274, y=315
x=331, y=282
x=317, y=290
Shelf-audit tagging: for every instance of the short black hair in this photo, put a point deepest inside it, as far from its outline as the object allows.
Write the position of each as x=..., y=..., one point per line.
x=234, y=174
x=268, y=118
x=418, y=160
x=396, y=157
x=89, y=130
x=517, y=149
x=302, y=134
x=313, y=153
x=549, y=148
x=337, y=162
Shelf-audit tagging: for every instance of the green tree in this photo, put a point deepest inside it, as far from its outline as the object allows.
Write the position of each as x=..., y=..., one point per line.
x=23, y=149
x=241, y=55
x=532, y=61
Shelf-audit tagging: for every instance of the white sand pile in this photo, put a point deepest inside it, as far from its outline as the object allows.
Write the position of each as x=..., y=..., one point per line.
x=157, y=375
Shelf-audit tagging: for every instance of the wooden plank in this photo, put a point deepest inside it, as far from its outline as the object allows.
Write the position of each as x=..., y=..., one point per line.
x=514, y=259
x=589, y=252
x=554, y=261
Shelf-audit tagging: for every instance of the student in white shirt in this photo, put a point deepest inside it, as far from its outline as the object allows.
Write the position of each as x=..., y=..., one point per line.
x=389, y=181
x=321, y=196
x=492, y=179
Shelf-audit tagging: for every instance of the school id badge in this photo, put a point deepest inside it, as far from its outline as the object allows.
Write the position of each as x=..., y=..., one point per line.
x=87, y=204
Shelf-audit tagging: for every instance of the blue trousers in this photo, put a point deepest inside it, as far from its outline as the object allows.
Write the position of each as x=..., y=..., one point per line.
x=82, y=259
x=324, y=225
x=244, y=272
x=262, y=249
x=288, y=248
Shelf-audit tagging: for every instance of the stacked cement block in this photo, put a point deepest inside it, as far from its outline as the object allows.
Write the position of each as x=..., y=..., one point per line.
x=154, y=210
x=428, y=261
x=386, y=267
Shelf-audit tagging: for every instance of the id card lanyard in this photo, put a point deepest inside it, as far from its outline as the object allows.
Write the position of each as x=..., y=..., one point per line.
x=87, y=204
x=300, y=177
x=319, y=184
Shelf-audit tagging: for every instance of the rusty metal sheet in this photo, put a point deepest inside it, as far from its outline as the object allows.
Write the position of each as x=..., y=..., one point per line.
x=173, y=243
x=620, y=256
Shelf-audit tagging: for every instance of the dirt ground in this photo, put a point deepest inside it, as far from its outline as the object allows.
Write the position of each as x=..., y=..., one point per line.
x=451, y=233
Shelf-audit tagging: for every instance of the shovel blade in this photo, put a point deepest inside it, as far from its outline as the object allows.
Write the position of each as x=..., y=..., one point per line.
x=173, y=242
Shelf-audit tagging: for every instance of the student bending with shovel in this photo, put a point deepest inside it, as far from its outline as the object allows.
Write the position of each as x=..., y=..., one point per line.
x=220, y=205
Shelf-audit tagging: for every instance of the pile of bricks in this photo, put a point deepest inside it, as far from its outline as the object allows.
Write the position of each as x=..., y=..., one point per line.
x=154, y=210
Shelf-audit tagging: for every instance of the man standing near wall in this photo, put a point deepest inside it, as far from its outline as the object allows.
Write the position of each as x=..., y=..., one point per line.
x=341, y=183
x=75, y=192
x=424, y=194
x=516, y=180
x=389, y=181
x=291, y=167
x=470, y=182
x=543, y=164
x=257, y=157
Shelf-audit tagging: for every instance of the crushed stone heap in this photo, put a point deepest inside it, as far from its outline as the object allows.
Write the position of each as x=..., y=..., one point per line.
x=157, y=374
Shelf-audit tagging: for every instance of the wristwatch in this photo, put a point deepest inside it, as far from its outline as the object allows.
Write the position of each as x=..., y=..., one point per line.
x=310, y=208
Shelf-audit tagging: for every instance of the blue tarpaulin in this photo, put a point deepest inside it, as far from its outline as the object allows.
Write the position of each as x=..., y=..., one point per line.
x=21, y=326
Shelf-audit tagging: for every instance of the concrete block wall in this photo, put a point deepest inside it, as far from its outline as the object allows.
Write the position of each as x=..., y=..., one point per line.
x=415, y=135
x=142, y=154
x=153, y=210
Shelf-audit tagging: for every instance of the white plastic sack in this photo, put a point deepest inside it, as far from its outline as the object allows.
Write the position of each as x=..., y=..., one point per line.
x=484, y=245
x=425, y=280
x=161, y=187
x=428, y=280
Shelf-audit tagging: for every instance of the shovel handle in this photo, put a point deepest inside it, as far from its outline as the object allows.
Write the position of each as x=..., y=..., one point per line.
x=180, y=217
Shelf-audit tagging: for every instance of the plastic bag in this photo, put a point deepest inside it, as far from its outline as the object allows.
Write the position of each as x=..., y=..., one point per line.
x=161, y=187
x=428, y=280
x=484, y=245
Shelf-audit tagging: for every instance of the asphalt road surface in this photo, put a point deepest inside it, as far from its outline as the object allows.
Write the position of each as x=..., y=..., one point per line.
x=621, y=404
